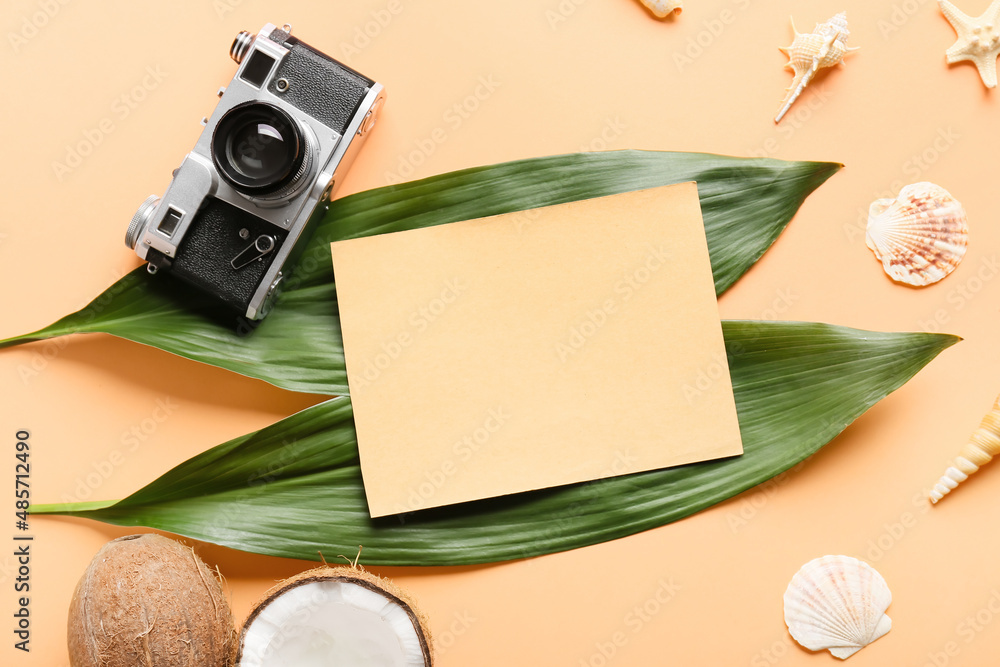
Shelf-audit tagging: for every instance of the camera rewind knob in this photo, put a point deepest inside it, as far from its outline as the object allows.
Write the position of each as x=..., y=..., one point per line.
x=241, y=45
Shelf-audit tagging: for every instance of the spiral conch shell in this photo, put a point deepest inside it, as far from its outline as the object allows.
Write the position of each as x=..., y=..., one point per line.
x=921, y=236
x=983, y=445
x=825, y=46
x=837, y=603
x=663, y=8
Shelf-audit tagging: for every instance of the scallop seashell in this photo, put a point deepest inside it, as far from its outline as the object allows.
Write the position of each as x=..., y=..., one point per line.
x=837, y=603
x=983, y=445
x=825, y=46
x=663, y=8
x=921, y=236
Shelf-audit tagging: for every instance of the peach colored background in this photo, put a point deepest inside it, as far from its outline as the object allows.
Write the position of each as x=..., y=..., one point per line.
x=608, y=76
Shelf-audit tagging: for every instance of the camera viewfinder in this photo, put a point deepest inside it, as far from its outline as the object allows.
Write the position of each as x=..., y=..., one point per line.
x=257, y=69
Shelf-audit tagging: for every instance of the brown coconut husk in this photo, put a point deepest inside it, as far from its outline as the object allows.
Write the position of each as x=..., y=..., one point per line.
x=146, y=600
x=352, y=574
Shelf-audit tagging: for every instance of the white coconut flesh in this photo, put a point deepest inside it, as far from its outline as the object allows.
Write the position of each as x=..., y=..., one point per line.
x=332, y=623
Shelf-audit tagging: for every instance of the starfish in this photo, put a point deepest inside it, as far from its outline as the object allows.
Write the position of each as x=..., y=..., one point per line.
x=978, y=39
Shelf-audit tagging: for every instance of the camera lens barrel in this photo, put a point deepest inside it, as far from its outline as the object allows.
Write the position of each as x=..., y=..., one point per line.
x=258, y=149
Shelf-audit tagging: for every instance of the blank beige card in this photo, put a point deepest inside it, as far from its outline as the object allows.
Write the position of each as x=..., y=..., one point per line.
x=534, y=349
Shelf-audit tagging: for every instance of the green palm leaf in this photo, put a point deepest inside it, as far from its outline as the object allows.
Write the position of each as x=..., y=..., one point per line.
x=295, y=489
x=746, y=204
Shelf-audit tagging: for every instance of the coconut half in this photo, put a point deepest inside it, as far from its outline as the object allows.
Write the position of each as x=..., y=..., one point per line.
x=330, y=616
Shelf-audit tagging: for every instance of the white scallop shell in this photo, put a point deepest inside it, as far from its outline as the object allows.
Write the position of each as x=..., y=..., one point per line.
x=921, y=236
x=837, y=603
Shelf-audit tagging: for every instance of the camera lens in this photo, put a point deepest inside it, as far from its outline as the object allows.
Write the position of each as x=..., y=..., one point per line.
x=257, y=148
x=258, y=151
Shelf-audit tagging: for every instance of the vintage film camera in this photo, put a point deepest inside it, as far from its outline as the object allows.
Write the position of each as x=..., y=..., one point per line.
x=241, y=204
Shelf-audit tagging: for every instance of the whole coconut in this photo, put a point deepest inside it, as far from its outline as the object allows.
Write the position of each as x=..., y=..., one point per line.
x=146, y=600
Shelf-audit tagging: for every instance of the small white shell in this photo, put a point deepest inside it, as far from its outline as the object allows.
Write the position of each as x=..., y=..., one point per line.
x=837, y=603
x=810, y=52
x=983, y=445
x=921, y=236
x=663, y=8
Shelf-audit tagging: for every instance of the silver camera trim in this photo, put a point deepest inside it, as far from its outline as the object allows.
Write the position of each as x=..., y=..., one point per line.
x=197, y=177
